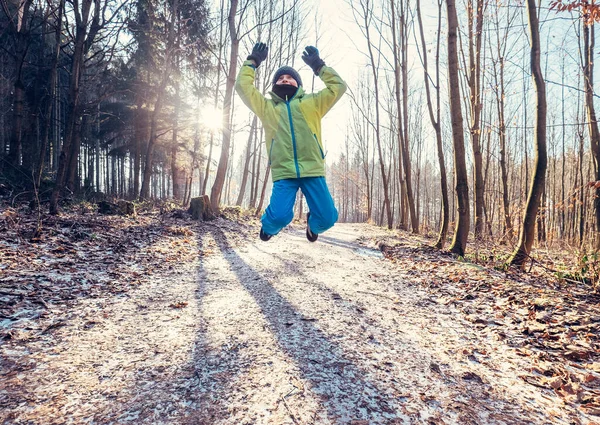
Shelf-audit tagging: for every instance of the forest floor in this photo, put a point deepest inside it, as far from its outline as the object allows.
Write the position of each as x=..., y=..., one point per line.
x=156, y=319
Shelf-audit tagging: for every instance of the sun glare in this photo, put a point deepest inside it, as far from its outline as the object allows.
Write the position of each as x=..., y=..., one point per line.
x=211, y=117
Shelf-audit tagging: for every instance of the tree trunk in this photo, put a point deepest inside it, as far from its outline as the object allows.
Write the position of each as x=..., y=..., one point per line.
x=179, y=180
x=263, y=191
x=22, y=44
x=145, y=190
x=475, y=103
x=217, y=188
x=47, y=118
x=257, y=145
x=178, y=193
x=526, y=234
x=14, y=155
x=249, y=154
x=139, y=134
x=74, y=111
x=403, y=111
x=216, y=98
x=508, y=228
x=384, y=177
x=260, y=146
x=588, y=71
x=461, y=232
x=73, y=174
x=435, y=121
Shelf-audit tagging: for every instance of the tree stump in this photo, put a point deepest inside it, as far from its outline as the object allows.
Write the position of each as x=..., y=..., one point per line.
x=200, y=208
x=126, y=208
x=120, y=208
x=107, y=208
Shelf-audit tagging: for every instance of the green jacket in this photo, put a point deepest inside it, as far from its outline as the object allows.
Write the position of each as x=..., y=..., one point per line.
x=293, y=128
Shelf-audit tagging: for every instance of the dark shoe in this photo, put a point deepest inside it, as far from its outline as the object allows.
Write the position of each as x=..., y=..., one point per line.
x=264, y=236
x=310, y=235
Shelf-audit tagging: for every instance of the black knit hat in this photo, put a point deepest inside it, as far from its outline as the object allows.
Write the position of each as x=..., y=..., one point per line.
x=289, y=71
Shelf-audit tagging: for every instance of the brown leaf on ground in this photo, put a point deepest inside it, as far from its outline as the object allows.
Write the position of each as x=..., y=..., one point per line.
x=591, y=410
x=555, y=382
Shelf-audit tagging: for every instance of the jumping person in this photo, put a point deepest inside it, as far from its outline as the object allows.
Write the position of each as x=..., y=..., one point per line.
x=292, y=124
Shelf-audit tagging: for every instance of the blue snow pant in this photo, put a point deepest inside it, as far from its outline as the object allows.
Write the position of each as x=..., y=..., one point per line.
x=280, y=211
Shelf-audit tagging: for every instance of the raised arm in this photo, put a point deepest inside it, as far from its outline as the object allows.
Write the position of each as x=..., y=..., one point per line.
x=335, y=87
x=244, y=84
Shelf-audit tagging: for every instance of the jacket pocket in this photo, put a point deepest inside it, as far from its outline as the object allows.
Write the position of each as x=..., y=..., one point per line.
x=319, y=145
x=271, y=150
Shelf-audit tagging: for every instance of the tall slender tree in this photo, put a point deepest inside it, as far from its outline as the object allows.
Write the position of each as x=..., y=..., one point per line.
x=19, y=20
x=527, y=231
x=160, y=99
x=401, y=70
x=87, y=25
x=217, y=188
x=474, y=81
x=461, y=232
x=435, y=118
x=364, y=16
x=588, y=73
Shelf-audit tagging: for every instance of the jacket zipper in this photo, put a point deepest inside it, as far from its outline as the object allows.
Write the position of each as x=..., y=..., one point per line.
x=287, y=103
x=319, y=145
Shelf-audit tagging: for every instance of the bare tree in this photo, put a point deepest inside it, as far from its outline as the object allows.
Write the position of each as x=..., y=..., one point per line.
x=160, y=100
x=363, y=17
x=87, y=25
x=499, y=89
x=474, y=81
x=461, y=232
x=50, y=101
x=362, y=126
x=588, y=72
x=248, y=156
x=435, y=118
x=401, y=66
x=526, y=234
x=20, y=27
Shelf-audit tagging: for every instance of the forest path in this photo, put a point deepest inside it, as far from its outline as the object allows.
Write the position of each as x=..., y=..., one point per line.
x=282, y=332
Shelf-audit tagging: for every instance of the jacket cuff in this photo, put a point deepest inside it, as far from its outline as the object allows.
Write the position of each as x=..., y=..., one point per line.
x=250, y=64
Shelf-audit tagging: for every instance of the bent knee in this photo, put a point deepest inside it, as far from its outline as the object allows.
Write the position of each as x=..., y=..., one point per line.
x=326, y=221
x=281, y=220
x=332, y=219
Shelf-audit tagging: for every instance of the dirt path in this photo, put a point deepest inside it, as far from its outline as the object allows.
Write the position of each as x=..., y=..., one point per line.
x=283, y=332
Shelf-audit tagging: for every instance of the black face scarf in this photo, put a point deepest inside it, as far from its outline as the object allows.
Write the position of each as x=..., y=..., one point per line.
x=285, y=91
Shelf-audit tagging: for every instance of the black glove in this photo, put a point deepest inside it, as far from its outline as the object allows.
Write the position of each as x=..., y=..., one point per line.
x=312, y=59
x=259, y=53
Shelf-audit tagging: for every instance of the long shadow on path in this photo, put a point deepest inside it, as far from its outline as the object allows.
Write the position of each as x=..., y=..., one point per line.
x=343, y=387
x=318, y=357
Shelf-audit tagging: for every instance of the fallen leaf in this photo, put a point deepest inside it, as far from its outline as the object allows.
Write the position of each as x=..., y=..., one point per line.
x=470, y=376
x=555, y=382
